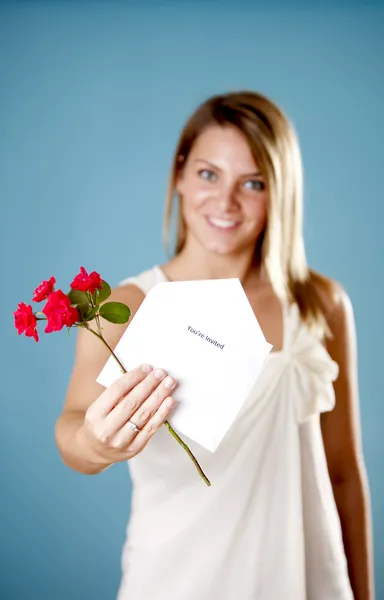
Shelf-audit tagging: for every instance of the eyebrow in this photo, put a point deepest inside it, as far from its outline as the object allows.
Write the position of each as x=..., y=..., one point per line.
x=255, y=174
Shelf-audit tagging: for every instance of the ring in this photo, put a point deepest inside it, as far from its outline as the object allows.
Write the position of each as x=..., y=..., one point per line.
x=133, y=427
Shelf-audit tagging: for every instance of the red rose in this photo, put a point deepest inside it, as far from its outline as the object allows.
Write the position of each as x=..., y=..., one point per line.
x=59, y=312
x=25, y=321
x=84, y=282
x=43, y=290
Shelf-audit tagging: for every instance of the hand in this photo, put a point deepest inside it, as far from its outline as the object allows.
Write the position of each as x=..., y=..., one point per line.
x=141, y=396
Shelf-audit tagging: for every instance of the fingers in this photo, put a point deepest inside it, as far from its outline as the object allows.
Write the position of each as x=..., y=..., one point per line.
x=141, y=396
x=142, y=438
x=157, y=387
x=157, y=394
x=120, y=388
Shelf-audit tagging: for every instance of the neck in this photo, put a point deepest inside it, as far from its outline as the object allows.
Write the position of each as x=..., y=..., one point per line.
x=198, y=263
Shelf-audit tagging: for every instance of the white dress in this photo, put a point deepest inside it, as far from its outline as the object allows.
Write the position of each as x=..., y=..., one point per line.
x=268, y=527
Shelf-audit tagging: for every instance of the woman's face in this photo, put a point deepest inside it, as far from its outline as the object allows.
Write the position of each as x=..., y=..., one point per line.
x=224, y=196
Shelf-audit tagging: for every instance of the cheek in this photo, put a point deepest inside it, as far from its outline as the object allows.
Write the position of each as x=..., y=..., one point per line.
x=257, y=210
x=195, y=194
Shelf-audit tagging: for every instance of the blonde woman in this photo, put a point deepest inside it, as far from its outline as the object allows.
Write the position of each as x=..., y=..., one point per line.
x=288, y=515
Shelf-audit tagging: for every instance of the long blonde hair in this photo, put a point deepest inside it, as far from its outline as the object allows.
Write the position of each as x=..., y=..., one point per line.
x=275, y=147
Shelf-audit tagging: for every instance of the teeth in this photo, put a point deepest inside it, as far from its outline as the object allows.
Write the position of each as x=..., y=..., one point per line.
x=222, y=223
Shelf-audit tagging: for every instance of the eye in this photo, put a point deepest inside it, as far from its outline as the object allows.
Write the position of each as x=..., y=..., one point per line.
x=255, y=185
x=207, y=174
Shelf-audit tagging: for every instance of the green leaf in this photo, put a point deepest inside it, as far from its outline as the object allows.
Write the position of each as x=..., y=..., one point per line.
x=115, y=312
x=77, y=297
x=104, y=293
x=81, y=301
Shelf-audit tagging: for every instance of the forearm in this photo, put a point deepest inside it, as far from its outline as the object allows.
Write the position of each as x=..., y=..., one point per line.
x=353, y=503
x=73, y=451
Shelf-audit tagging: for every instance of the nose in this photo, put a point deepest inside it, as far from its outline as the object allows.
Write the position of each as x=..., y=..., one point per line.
x=227, y=198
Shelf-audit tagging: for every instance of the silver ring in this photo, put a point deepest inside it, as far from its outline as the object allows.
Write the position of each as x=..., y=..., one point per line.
x=133, y=427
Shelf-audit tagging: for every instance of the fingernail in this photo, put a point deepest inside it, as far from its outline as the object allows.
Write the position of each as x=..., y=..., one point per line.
x=146, y=368
x=170, y=402
x=169, y=383
x=159, y=373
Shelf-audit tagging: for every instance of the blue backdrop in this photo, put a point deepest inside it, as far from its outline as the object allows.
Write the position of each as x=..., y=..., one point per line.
x=92, y=98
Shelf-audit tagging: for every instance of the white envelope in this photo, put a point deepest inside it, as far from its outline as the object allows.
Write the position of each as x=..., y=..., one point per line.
x=204, y=334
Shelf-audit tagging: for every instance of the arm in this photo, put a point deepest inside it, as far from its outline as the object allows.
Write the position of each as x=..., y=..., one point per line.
x=90, y=357
x=342, y=442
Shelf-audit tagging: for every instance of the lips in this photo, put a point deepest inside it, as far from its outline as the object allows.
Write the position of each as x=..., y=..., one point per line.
x=223, y=224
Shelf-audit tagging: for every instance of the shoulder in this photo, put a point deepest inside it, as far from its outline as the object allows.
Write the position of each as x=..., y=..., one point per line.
x=129, y=294
x=132, y=291
x=336, y=303
x=339, y=315
x=145, y=280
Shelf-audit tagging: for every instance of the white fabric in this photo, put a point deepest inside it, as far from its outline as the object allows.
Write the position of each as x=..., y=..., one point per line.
x=268, y=528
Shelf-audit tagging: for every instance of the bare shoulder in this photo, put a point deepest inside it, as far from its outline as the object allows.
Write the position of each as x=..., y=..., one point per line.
x=341, y=343
x=131, y=296
x=336, y=303
x=128, y=294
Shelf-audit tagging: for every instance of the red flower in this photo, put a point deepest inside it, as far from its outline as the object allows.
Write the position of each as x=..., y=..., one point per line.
x=84, y=282
x=59, y=312
x=25, y=321
x=43, y=290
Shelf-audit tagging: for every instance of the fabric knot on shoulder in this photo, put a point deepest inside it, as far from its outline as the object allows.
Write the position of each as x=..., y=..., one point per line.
x=312, y=372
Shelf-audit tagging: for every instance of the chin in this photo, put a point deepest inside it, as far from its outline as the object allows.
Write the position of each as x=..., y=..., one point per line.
x=221, y=248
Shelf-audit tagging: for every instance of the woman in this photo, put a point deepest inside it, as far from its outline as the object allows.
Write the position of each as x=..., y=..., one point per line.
x=287, y=516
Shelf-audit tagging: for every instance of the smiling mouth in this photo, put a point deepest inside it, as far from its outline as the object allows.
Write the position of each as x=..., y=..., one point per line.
x=223, y=224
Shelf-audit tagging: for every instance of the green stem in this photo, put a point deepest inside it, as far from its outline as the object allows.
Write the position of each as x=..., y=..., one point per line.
x=188, y=451
x=97, y=316
x=99, y=335
x=166, y=423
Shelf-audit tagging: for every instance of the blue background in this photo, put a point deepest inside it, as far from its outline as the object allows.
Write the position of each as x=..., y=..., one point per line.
x=92, y=98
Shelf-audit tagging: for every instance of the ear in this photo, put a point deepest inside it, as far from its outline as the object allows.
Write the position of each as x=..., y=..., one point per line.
x=179, y=187
x=180, y=182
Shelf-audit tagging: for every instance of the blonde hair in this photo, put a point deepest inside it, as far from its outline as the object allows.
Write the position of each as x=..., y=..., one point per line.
x=275, y=147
